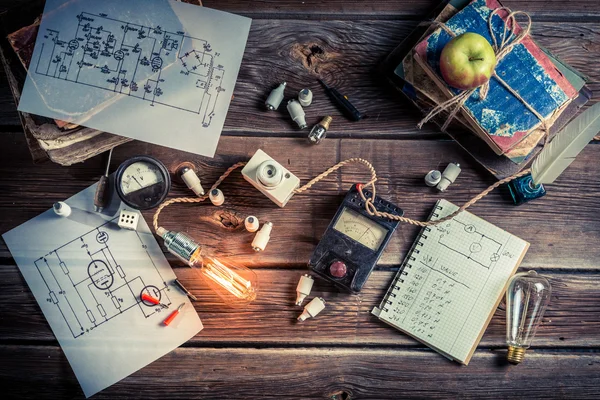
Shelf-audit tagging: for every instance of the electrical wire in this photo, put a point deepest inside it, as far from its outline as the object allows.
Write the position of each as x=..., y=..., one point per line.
x=369, y=201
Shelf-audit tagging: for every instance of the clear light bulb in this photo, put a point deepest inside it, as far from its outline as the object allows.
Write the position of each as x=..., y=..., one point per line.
x=236, y=284
x=527, y=297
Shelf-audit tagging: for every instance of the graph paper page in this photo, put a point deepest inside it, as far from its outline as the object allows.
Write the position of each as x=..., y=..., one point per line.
x=452, y=281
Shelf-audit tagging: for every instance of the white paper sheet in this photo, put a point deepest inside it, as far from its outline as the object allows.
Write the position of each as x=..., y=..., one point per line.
x=155, y=70
x=87, y=275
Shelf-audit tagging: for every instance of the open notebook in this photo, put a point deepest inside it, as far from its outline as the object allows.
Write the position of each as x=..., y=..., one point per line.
x=451, y=282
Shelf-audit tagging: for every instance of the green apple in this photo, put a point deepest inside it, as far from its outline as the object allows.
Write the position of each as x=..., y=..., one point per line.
x=467, y=61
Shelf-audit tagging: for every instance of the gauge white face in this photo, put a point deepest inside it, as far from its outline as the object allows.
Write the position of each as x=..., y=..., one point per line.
x=138, y=176
x=360, y=228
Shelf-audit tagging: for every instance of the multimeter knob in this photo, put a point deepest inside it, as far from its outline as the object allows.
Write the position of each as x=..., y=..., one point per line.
x=338, y=269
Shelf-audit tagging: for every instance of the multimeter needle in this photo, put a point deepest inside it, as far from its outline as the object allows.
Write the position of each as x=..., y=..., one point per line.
x=101, y=197
x=136, y=181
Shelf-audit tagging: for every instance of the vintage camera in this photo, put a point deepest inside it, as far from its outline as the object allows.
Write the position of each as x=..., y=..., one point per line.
x=271, y=178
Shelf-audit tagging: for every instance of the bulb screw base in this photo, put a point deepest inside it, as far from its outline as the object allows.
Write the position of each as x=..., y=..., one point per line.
x=515, y=354
x=179, y=244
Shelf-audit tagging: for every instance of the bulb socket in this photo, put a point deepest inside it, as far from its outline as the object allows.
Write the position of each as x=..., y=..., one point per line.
x=180, y=245
x=515, y=354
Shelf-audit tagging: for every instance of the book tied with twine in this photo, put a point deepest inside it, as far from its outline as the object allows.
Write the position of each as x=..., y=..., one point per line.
x=501, y=119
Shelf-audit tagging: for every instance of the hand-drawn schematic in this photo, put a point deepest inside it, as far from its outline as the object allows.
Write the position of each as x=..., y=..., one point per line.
x=98, y=288
x=130, y=59
x=88, y=276
x=159, y=71
x=470, y=243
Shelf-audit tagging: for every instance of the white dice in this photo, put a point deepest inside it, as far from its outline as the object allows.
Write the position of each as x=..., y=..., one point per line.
x=129, y=220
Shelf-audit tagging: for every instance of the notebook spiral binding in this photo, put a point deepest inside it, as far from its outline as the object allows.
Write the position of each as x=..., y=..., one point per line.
x=406, y=264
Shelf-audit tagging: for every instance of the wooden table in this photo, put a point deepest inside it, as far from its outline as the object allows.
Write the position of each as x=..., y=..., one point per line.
x=261, y=351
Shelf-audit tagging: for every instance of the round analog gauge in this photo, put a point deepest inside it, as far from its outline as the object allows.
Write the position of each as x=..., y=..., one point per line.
x=143, y=182
x=360, y=228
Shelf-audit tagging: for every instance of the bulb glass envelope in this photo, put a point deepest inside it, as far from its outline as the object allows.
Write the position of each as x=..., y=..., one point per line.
x=237, y=285
x=527, y=298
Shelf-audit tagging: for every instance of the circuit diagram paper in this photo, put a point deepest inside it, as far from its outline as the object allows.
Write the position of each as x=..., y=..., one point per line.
x=160, y=71
x=87, y=275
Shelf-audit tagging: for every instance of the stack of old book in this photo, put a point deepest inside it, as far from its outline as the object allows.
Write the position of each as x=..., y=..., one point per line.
x=499, y=131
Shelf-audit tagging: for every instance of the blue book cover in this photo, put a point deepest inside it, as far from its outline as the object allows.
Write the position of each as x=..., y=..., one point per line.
x=526, y=69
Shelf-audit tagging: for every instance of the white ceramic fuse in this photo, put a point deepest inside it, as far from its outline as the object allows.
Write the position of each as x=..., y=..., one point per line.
x=297, y=113
x=304, y=287
x=448, y=176
x=216, y=197
x=433, y=177
x=313, y=308
x=128, y=220
x=61, y=208
x=191, y=180
x=305, y=97
x=275, y=97
x=251, y=223
x=262, y=237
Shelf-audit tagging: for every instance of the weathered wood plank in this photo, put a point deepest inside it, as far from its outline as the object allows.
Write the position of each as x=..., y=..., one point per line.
x=572, y=319
x=347, y=53
x=312, y=373
x=381, y=9
x=387, y=8
x=569, y=207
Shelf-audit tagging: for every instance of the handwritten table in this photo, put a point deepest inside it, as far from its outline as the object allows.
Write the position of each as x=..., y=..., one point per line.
x=261, y=351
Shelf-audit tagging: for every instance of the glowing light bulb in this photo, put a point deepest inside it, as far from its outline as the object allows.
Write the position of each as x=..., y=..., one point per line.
x=527, y=297
x=236, y=284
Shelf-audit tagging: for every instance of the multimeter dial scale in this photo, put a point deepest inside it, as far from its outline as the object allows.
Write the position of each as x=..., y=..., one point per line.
x=353, y=242
x=142, y=182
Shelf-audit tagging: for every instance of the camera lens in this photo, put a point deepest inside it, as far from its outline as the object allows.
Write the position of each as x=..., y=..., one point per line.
x=269, y=174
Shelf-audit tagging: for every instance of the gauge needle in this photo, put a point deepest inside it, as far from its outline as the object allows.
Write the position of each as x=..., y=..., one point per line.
x=364, y=233
x=136, y=181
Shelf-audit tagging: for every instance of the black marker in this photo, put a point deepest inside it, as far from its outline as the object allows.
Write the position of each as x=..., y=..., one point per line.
x=343, y=103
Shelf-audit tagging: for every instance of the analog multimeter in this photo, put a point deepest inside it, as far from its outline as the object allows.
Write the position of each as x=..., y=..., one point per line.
x=142, y=182
x=353, y=242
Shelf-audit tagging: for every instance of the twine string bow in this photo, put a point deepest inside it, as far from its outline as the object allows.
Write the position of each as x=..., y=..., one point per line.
x=506, y=45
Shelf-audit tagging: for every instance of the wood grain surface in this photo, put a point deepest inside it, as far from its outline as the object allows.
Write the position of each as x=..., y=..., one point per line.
x=261, y=351
x=314, y=373
x=347, y=320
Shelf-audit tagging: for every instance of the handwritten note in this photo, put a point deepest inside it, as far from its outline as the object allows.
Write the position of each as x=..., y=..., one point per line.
x=451, y=282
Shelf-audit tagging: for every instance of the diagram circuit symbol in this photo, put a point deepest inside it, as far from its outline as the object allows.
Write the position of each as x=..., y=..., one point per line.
x=470, y=228
x=475, y=247
x=156, y=63
x=153, y=291
x=100, y=275
x=102, y=237
x=73, y=44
